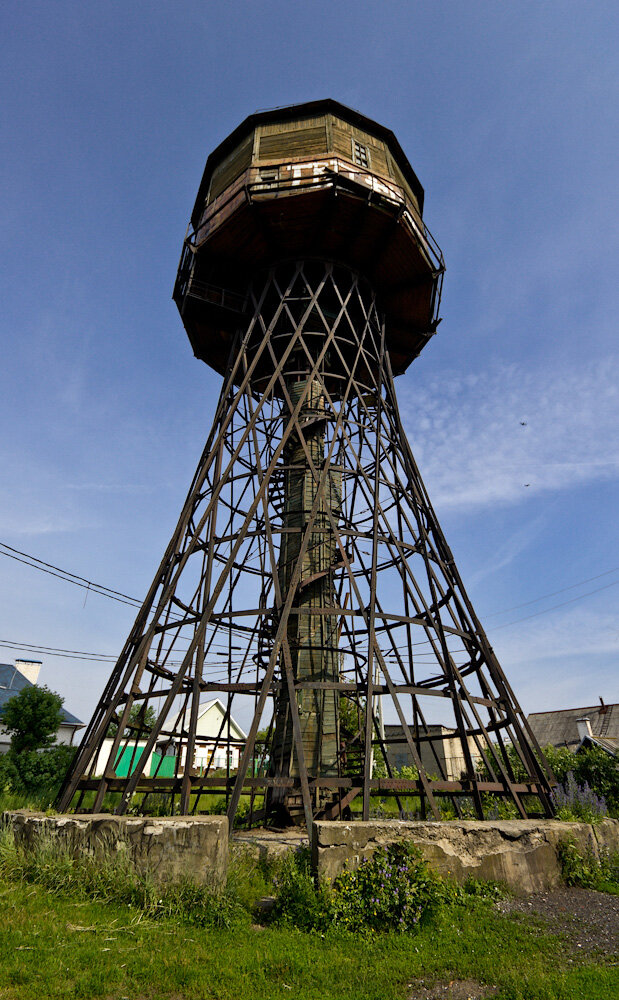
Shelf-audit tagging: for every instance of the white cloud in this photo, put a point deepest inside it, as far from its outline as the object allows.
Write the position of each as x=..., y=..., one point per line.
x=473, y=450
x=579, y=631
x=564, y=659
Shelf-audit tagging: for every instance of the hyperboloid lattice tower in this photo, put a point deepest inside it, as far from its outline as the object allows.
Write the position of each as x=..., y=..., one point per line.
x=308, y=594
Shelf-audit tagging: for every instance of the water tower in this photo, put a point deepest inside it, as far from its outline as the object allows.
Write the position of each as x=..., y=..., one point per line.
x=308, y=593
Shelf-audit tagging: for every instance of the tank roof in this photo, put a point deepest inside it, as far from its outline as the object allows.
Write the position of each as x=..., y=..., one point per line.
x=308, y=109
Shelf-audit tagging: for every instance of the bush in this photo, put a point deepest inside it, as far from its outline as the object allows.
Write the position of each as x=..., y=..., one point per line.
x=600, y=771
x=298, y=901
x=392, y=890
x=35, y=772
x=594, y=771
x=578, y=802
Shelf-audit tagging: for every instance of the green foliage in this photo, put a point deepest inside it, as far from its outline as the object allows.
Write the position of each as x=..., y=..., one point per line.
x=115, y=879
x=32, y=718
x=574, y=802
x=601, y=772
x=585, y=870
x=140, y=717
x=61, y=944
x=299, y=902
x=32, y=766
x=561, y=761
x=35, y=772
x=352, y=736
x=591, y=767
x=391, y=891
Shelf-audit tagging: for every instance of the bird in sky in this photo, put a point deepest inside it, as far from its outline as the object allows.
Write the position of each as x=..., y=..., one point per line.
x=523, y=423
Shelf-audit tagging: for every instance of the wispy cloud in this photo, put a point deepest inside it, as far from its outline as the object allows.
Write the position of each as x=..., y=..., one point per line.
x=565, y=658
x=500, y=436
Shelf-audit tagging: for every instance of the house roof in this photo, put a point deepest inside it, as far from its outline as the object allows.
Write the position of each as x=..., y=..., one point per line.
x=12, y=681
x=559, y=728
x=607, y=743
x=204, y=708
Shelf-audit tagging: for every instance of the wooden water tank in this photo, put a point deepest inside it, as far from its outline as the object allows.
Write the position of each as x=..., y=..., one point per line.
x=315, y=180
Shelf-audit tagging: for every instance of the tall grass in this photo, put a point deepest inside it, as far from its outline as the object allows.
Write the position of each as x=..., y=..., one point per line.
x=116, y=879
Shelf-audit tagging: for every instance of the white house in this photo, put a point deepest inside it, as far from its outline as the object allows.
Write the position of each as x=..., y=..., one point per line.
x=13, y=679
x=210, y=747
x=212, y=736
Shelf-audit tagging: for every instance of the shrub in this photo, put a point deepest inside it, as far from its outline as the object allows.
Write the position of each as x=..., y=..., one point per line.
x=601, y=772
x=392, y=890
x=37, y=773
x=298, y=900
x=587, y=871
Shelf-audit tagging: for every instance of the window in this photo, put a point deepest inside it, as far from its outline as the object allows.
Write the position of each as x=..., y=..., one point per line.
x=360, y=154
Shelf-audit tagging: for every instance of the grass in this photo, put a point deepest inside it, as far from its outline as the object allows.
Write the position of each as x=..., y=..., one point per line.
x=64, y=933
x=62, y=948
x=582, y=868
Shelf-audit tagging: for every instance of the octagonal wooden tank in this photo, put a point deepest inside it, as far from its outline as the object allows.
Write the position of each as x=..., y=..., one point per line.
x=315, y=180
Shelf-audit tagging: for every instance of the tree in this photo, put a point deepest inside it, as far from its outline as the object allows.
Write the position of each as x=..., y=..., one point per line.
x=32, y=764
x=139, y=718
x=32, y=718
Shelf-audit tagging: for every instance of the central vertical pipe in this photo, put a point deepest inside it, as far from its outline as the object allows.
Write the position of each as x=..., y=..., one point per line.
x=312, y=630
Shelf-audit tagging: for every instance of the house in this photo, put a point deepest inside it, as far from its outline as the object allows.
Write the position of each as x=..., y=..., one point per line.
x=573, y=727
x=445, y=745
x=13, y=679
x=212, y=733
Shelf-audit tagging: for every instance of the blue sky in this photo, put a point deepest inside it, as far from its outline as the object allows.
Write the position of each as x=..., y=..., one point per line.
x=508, y=113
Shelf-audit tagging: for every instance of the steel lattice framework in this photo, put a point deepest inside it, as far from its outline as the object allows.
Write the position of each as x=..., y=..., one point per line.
x=308, y=582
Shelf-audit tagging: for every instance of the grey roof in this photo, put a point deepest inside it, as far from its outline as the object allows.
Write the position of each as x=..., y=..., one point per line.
x=559, y=728
x=12, y=681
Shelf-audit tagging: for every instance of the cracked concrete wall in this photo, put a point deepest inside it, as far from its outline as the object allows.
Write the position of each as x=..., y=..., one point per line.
x=170, y=847
x=520, y=853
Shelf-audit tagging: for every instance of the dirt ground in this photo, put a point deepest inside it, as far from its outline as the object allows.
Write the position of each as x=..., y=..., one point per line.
x=589, y=919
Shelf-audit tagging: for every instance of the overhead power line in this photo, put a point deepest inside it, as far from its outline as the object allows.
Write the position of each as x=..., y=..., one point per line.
x=63, y=574
x=554, y=593
x=554, y=607
x=71, y=654
x=116, y=595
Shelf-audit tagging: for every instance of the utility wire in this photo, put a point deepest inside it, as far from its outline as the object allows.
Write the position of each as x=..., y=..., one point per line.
x=80, y=581
x=554, y=607
x=554, y=593
x=117, y=595
x=71, y=654
x=63, y=574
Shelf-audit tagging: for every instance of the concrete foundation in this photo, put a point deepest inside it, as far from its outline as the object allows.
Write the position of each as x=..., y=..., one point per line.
x=169, y=847
x=520, y=853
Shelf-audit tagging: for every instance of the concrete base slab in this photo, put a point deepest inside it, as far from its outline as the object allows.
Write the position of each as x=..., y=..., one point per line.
x=520, y=853
x=170, y=847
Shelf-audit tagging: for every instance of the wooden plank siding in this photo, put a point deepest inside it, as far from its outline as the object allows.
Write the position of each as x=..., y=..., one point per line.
x=230, y=168
x=300, y=142
x=304, y=139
